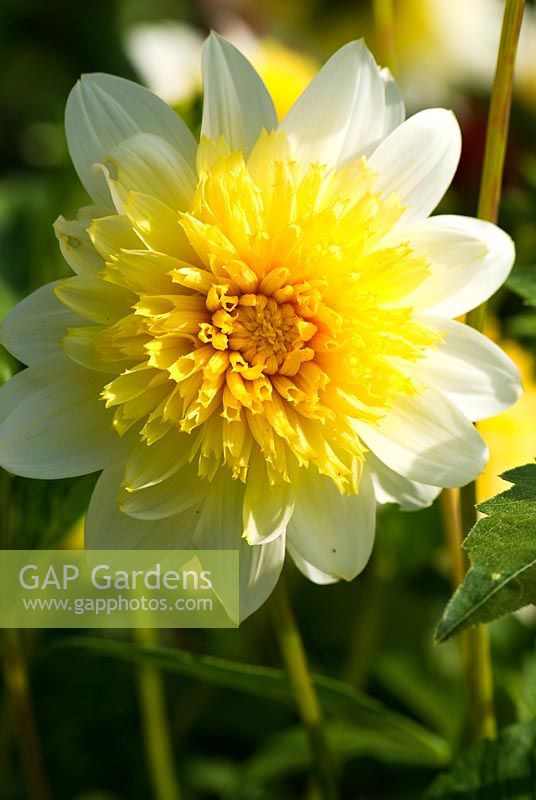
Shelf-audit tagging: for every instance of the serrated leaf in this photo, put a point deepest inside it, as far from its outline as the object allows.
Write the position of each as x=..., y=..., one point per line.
x=399, y=733
x=522, y=281
x=502, y=552
x=502, y=768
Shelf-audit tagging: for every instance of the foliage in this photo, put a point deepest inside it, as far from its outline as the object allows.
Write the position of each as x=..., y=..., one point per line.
x=376, y=730
x=502, y=551
x=493, y=769
x=523, y=282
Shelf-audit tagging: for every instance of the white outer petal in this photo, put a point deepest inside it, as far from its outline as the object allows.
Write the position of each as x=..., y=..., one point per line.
x=236, y=102
x=390, y=487
x=267, y=509
x=219, y=527
x=341, y=111
x=75, y=244
x=107, y=528
x=470, y=259
x=417, y=161
x=306, y=568
x=395, y=109
x=151, y=165
x=260, y=568
x=33, y=330
x=104, y=110
x=25, y=382
x=333, y=532
x=166, y=498
x=58, y=427
x=470, y=370
x=150, y=464
x=425, y=438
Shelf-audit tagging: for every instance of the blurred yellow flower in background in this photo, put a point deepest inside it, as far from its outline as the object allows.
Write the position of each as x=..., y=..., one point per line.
x=445, y=48
x=285, y=72
x=508, y=435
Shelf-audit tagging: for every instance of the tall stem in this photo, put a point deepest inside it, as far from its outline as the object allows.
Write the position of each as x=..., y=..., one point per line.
x=451, y=514
x=474, y=643
x=309, y=707
x=497, y=129
x=155, y=725
x=20, y=701
x=459, y=507
x=367, y=628
x=384, y=19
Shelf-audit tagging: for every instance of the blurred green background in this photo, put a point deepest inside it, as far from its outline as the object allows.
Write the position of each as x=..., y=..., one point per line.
x=377, y=631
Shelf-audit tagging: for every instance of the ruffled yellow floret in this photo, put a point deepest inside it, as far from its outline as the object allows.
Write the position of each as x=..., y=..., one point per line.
x=267, y=318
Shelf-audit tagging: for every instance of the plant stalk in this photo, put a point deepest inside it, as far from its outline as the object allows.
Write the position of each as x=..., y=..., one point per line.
x=157, y=737
x=497, y=128
x=295, y=658
x=459, y=506
x=367, y=628
x=20, y=701
x=384, y=20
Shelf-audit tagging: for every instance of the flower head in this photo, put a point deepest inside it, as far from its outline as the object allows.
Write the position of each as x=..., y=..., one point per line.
x=258, y=343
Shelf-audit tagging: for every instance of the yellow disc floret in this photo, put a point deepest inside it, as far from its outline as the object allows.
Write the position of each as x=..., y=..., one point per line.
x=267, y=318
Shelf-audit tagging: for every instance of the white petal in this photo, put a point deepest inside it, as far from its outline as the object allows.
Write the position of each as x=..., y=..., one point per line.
x=470, y=259
x=267, y=509
x=25, y=382
x=341, y=111
x=102, y=111
x=59, y=428
x=395, y=109
x=219, y=527
x=333, y=532
x=76, y=246
x=168, y=497
x=312, y=573
x=151, y=464
x=470, y=370
x=425, y=438
x=417, y=161
x=33, y=330
x=149, y=164
x=107, y=528
x=260, y=568
x=236, y=103
x=95, y=300
x=390, y=487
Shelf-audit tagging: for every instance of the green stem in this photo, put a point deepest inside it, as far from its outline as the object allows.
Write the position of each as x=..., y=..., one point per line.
x=309, y=707
x=453, y=527
x=384, y=20
x=155, y=724
x=367, y=628
x=20, y=701
x=474, y=643
x=497, y=128
x=480, y=680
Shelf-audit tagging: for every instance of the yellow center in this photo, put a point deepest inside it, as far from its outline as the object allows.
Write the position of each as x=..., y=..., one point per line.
x=268, y=318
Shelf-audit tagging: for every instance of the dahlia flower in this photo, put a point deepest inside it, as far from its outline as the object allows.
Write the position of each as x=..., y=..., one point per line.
x=258, y=344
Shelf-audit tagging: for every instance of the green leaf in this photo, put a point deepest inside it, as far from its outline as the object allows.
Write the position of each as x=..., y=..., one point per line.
x=502, y=551
x=39, y=514
x=399, y=734
x=289, y=752
x=522, y=281
x=492, y=770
